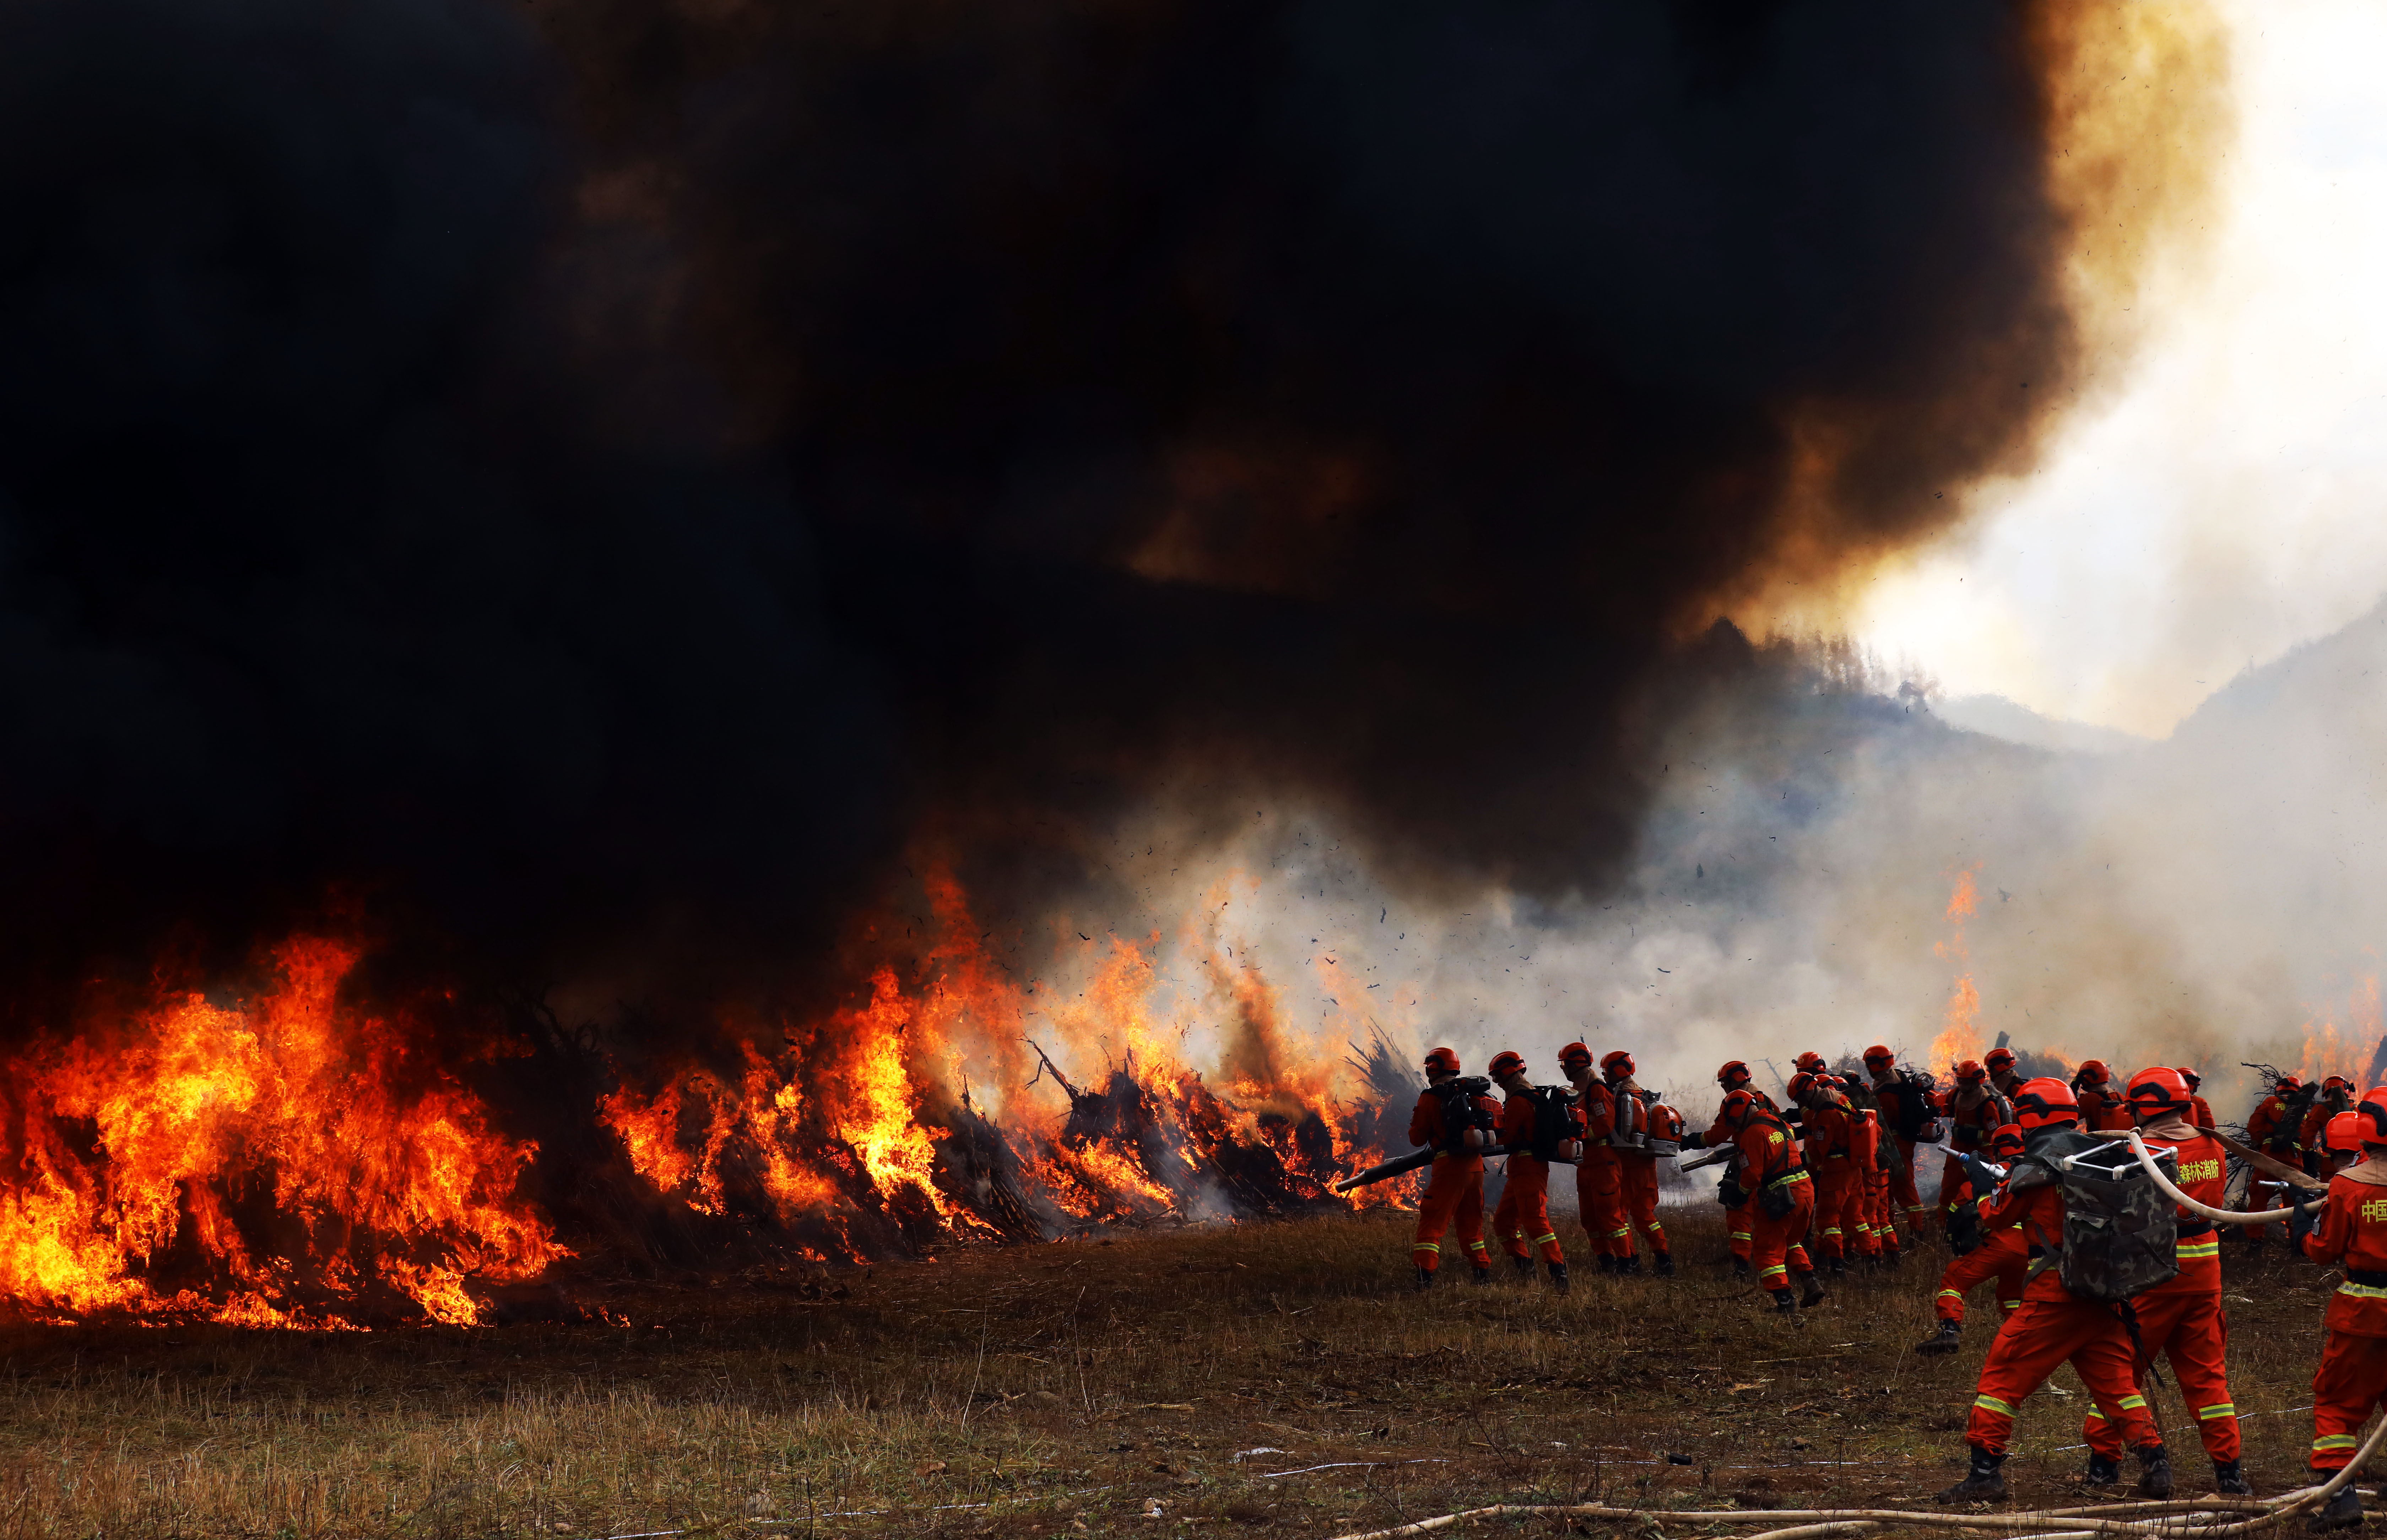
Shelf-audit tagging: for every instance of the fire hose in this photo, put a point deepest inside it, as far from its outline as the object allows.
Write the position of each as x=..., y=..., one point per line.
x=1416, y=1158
x=2219, y=1216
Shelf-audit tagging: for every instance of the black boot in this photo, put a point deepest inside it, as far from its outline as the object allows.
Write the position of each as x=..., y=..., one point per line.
x=1839, y=1268
x=1607, y=1263
x=1985, y=1483
x=2342, y=1511
x=1558, y=1275
x=1631, y=1265
x=1949, y=1337
x=1786, y=1304
x=1740, y=1267
x=1811, y=1290
x=2154, y=1472
x=1425, y=1278
x=1663, y=1264
x=1524, y=1267
x=2230, y=1481
x=1890, y=1258
x=1480, y=1277
x=2104, y=1469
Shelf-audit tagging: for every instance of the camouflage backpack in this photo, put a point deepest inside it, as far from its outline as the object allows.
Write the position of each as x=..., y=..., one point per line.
x=2121, y=1232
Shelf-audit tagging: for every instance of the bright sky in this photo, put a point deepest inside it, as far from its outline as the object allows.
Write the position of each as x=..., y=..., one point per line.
x=2232, y=501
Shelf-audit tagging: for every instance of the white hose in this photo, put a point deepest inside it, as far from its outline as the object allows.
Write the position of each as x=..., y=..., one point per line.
x=2219, y=1216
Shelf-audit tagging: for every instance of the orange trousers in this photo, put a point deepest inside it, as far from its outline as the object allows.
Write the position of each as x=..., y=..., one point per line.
x=1454, y=1197
x=1902, y=1188
x=2003, y=1255
x=1742, y=1224
x=2041, y=1334
x=1639, y=1171
x=1776, y=1247
x=1599, y=1193
x=1523, y=1220
x=2351, y=1381
x=1838, y=1191
x=2181, y=1318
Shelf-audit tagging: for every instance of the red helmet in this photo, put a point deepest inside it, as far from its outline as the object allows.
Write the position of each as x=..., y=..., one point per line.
x=1573, y=1055
x=2046, y=1102
x=2092, y=1072
x=1800, y=1084
x=2190, y=1075
x=1810, y=1061
x=2376, y=1094
x=2288, y=1082
x=1618, y=1063
x=1733, y=1074
x=1443, y=1058
x=2345, y=1134
x=1971, y=1072
x=1736, y=1107
x=1505, y=1061
x=2007, y=1141
x=1999, y=1058
x=2373, y=1124
x=2337, y=1082
x=1878, y=1055
x=2158, y=1089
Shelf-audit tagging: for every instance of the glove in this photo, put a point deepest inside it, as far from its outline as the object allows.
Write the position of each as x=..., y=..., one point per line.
x=2302, y=1222
x=1695, y=1141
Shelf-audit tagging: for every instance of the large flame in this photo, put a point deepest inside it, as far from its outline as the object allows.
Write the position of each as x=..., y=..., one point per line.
x=281, y=1161
x=295, y=1159
x=1960, y=1032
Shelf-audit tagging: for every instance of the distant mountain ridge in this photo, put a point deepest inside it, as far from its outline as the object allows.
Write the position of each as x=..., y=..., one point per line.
x=1995, y=716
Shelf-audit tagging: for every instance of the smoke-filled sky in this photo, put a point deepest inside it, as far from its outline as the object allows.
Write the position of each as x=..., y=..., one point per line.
x=2230, y=500
x=587, y=491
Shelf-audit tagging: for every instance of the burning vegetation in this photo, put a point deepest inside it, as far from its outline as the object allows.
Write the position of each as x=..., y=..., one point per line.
x=294, y=1158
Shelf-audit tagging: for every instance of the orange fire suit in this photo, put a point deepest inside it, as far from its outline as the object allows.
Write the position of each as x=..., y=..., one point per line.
x=2181, y=1318
x=1599, y=1178
x=1523, y=1220
x=1904, y=1108
x=2353, y=1374
x=1454, y=1195
x=1831, y=1137
x=2264, y=1131
x=1769, y=1158
x=2051, y=1328
x=2203, y=1115
x=1738, y=1220
x=1639, y=1169
x=1970, y=1124
x=1874, y=1233
x=2004, y=1254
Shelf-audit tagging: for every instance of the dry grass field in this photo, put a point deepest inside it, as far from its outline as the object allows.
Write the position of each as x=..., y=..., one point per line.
x=1109, y=1388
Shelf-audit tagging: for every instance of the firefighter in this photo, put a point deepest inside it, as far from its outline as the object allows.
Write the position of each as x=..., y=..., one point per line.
x=1523, y=1220
x=1905, y=1104
x=2003, y=1077
x=2342, y=1141
x=2102, y=1108
x=1810, y=1063
x=1599, y=1178
x=2181, y=1318
x=1974, y=1111
x=2349, y=1230
x=1456, y=1123
x=2202, y=1115
x=1781, y=1197
x=2050, y=1327
x=1874, y=1153
x=1829, y=1129
x=2004, y=1254
x=2336, y=1095
x=1638, y=1164
x=1741, y=1218
x=2268, y=1131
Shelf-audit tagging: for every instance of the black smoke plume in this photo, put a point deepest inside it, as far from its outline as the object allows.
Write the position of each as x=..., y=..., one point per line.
x=588, y=484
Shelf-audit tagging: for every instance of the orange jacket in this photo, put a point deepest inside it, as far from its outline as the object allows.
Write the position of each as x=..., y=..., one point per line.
x=2315, y=1123
x=1969, y=1127
x=2203, y=1115
x=2262, y=1126
x=2353, y=1232
x=1830, y=1140
x=1597, y=1105
x=2040, y=1211
x=1425, y=1122
x=1767, y=1151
